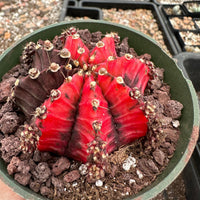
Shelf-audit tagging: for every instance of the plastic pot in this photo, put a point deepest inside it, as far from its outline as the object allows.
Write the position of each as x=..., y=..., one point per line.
x=189, y=63
x=181, y=90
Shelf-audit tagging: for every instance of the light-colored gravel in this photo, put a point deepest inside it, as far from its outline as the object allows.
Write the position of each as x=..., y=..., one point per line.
x=20, y=17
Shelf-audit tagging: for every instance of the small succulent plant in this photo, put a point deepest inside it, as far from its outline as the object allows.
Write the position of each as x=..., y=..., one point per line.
x=82, y=103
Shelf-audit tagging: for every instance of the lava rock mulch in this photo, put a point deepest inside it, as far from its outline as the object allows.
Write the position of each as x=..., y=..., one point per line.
x=128, y=169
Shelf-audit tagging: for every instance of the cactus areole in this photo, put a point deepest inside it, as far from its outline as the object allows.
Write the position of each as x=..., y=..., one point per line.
x=82, y=103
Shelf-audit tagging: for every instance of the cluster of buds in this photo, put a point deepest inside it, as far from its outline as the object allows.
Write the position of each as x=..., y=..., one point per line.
x=38, y=45
x=151, y=66
x=27, y=53
x=29, y=139
x=135, y=93
x=94, y=173
x=30, y=48
x=41, y=112
x=97, y=160
x=150, y=110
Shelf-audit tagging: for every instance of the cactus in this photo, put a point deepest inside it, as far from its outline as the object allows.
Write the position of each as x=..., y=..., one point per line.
x=83, y=104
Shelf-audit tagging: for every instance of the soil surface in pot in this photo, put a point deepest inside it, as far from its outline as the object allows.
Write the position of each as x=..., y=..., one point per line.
x=126, y=171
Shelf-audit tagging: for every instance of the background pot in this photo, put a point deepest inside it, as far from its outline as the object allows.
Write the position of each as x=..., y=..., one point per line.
x=181, y=90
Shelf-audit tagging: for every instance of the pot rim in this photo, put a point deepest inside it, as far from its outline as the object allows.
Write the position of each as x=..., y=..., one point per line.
x=145, y=193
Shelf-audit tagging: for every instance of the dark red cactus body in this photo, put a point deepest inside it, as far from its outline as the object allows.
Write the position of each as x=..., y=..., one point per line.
x=79, y=52
x=128, y=116
x=93, y=123
x=42, y=59
x=103, y=50
x=57, y=121
x=31, y=92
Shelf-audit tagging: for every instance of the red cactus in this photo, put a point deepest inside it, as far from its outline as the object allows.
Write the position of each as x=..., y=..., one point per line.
x=103, y=50
x=93, y=124
x=78, y=52
x=88, y=123
x=125, y=108
x=56, y=115
x=136, y=75
x=132, y=70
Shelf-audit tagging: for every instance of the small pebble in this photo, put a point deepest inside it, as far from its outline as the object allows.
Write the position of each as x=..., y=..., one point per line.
x=131, y=181
x=74, y=184
x=83, y=169
x=139, y=173
x=128, y=163
x=61, y=165
x=126, y=166
x=45, y=191
x=99, y=183
x=23, y=179
x=72, y=176
x=175, y=123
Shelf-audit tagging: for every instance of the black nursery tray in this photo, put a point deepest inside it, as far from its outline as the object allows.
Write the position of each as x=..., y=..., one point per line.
x=175, y=33
x=189, y=7
x=81, y=13
x=66, y=3
x=188, y=39
x=197, y=22
x=189, y=64
x=72, y=2
x=178, y=23
x=170, y=10
x=165, y=2
x=128, y=5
